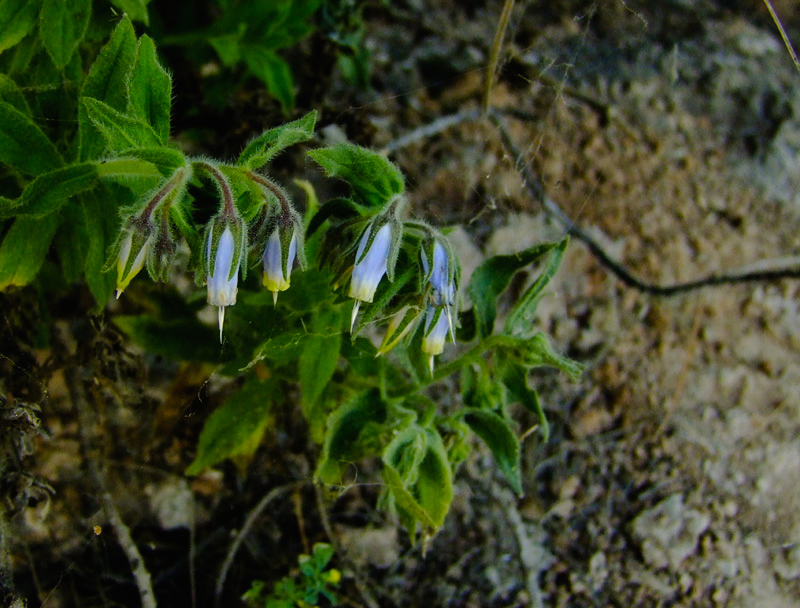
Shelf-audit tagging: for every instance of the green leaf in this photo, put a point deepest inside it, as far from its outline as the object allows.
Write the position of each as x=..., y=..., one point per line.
x=13, y=95
x=62, y=26
x=135, y=9
x=24, y=248
x=121, y=131
x=351, y=430
x=236, y=427
x=424, y=496
x=520, y=319
x=316, y=366
x=538, y=352
x=48, y=192
x=227, y=47
x=409, y=510
x=127, y=167
x=184, y=339
x=496, y=433
x=515, y=377
x=102, y=226
x=166, y=159
x=374, y=180
x=405, y=454
x=107, y=82
x=17, y=18
x=71, y=242
x=150, y=89
x=273, y=70
x=23, y=145
x=270, y=143
x=492, y=277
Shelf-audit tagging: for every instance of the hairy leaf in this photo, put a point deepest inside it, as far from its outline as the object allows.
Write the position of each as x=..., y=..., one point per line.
x=236, y=427
x=102, y=227
x=62, y=26
x=520, y=320
x=17, y=19
x=270, y=143
x=501, y=440
x=48, y=192
x=515, y=377
x=13, y=95
x=348, y=435
x=120, y=131
x=150, y=89
x=107, y=82
x=316, y=366
x=374, y=179
x=492, y=277
x=24, y=248
x=23, y=145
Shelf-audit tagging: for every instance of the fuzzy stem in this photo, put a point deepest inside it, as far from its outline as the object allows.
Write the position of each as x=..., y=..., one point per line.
x=164, y=191
x=227, y=196
x=274, y=188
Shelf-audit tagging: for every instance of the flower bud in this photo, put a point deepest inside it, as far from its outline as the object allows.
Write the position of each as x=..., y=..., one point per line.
x=224, y=252
x=132, y=253
x=372, y=256
x=277, y=267
x=436, y=324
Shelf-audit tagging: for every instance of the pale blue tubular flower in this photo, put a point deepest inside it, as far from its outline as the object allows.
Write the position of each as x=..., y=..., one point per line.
x=276, y=275
x=435, y=333
x=222, y=266
x=443, y=291
x=370, y=266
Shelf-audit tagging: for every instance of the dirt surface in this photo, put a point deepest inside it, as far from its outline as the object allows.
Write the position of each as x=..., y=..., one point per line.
x=672, y=133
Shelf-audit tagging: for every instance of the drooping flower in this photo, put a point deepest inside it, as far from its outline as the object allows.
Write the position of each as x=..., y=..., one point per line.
x=443, y=290
x=433, y=338
x=277, y=271
x=224, y=249
x=132, y=254
x=372, y=257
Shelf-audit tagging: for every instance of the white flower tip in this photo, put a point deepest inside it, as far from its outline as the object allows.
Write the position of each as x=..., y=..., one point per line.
x=430, y=364
x=118, y=294
x=221, y=317
x=274, y=299
x=354, y=315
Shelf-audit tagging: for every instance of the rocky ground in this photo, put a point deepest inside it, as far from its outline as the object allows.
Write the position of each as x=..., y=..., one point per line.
x=671, y=133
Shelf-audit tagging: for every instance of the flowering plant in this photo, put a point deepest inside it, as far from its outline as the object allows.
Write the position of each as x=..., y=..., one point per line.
x=370, y=295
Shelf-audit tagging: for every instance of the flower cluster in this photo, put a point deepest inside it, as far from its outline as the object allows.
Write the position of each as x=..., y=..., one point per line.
x=146, y=237
x=375, y=257
x=273, y=231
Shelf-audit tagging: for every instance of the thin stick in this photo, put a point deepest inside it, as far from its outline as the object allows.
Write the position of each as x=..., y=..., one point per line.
x=782, y=31
x=434, y=128
x=536, y=189
x=140, y=573
x=494, y=54
x=273, y=494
